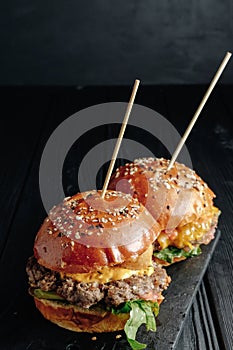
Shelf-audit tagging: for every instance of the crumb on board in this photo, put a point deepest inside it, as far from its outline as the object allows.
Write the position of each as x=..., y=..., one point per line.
x=118, y=336
x=93, y=338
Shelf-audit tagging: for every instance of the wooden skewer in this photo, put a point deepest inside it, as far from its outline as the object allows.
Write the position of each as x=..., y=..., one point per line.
x=199, y=109
x=120, y=137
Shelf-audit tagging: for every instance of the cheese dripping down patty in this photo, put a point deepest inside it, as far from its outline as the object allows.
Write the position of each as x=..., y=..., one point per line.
x=191, y=232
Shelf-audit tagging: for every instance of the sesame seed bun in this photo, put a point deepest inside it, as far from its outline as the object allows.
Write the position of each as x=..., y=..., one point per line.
x=174, y=198
x=178, y=199
x=86, y=232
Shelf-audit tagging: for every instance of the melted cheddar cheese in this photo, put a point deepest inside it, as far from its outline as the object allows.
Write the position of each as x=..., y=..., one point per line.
x=107, y=274
x=190, y=232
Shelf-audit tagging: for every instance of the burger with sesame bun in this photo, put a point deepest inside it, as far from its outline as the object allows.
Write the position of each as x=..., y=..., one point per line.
x=178, y=199
x=92, y=268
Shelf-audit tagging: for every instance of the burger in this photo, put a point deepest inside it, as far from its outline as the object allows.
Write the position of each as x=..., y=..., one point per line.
x=178, y=199
x=92, y=268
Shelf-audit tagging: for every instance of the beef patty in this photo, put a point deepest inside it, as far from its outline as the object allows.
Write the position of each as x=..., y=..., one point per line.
x=87, y=294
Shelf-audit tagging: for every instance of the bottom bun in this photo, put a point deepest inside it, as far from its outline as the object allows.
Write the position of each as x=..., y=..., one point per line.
x=78, y=319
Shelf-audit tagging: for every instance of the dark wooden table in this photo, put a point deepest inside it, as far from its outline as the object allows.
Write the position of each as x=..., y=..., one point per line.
x=29, y=116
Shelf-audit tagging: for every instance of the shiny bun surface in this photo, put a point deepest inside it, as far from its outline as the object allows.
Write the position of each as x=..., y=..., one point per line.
x=174, y=198
x=86, y=232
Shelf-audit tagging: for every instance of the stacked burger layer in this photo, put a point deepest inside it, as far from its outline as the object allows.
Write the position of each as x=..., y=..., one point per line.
x=98, y=262
x=178, y=199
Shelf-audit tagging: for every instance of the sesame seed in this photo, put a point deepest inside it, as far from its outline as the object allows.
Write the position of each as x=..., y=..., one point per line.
x=77, y=235
x=167, y=185
x=63, y=264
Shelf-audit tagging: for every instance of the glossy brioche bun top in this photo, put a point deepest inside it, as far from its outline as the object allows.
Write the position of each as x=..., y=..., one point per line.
x=86, y=232
x=174, y=198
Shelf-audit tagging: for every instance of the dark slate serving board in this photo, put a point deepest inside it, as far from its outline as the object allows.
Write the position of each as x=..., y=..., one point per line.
x=186, y=278
x=22, y=326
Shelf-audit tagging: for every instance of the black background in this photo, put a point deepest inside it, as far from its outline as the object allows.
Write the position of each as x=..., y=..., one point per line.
x=113, y=42
x=49, y=51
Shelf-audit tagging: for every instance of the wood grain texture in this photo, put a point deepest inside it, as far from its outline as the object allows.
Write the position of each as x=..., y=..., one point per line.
x=211, y=148
x=209, y=323
x=199, y=331
x=220, y=275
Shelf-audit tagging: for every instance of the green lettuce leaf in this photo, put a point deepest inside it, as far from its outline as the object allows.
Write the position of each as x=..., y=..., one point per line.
x=39, y=293
x=141, y=312
x=168, y=254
